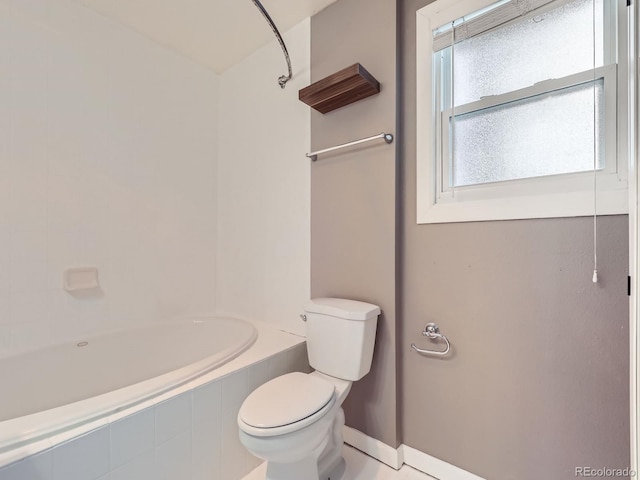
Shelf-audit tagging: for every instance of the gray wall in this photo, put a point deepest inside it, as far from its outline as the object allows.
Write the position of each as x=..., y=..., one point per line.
x=538, y=382
x=353, y=195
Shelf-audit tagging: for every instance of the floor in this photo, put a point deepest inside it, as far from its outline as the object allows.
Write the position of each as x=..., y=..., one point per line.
x=361, y=467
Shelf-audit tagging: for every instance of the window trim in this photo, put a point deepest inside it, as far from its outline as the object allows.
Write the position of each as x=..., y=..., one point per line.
x=574, y=180
x=561, y=199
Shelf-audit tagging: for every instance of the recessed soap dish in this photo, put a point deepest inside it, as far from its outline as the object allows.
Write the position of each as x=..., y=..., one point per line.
x=84, y=278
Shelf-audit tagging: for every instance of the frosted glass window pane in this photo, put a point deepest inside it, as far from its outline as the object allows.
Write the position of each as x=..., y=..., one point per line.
x=547, y=134
x=554, y=44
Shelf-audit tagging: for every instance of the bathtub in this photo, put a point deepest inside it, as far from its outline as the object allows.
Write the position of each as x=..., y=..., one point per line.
x=159, y=385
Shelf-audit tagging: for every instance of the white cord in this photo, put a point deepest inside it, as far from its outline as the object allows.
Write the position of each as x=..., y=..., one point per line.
x=452, y=162
x=594, y=278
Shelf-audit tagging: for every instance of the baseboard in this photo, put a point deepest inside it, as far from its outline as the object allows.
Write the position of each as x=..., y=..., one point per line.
x=433, y=466
x=396, y=457
x=372, y=447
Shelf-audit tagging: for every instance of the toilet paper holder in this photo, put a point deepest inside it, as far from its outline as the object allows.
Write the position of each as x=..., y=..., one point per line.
x=432, y=331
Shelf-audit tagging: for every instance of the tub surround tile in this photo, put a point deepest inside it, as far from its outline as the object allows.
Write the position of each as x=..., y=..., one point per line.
x=131, y=411
x=131, y=437
x=89, y=313
x=64, y=201
x=59, y=312
x=4, y=293
x=24, y=452
x=5, y=208
x=140, y=468
x=28, y=246
x=87, y=78
x=207, y=400
x=80, y=134
x=5, y=336
x=274, y=264
x=187, y=387
x=207, y=432
x=62, y=251
x=279, y=365
x=38, y=467
x=26, y=305
x=234, y=455
x=173, y=458
x=173, y=417
x=270, y=342
x=298, y=359
x=75, y=433
x=33, y=211
x=35, y=8
x=84, y=458
x=22, y=335
x=258, y=374
x=28, y=277
x=192, y=436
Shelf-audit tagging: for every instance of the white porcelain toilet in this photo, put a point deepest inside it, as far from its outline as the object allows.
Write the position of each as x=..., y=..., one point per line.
x=295, y=421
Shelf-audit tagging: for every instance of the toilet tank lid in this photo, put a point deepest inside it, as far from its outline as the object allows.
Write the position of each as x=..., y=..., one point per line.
x=342, y=308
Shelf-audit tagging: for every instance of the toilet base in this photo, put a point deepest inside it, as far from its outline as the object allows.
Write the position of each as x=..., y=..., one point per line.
x=337, y=472
x=331, y=465
x=306, y=468
x=324, y=463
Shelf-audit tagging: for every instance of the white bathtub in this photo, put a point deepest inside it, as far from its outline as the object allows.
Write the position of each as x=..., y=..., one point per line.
x=54, y=398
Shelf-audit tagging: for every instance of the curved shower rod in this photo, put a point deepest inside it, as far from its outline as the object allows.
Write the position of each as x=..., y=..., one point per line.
x=282, y=80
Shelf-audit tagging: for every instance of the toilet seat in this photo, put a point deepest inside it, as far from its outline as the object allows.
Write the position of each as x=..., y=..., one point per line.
x=286, y=404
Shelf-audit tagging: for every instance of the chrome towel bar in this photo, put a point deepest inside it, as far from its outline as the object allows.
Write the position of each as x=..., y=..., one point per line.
x=387, y=138
x=433, y=332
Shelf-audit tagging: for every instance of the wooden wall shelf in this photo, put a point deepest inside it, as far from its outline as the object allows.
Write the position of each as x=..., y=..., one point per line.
x=342, y=88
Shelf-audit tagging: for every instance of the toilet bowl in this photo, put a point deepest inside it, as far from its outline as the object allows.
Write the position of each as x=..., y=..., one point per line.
x=295, y=421
x=298, y=434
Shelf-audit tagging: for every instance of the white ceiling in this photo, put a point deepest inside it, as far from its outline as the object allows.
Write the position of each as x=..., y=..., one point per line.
x=214, y=33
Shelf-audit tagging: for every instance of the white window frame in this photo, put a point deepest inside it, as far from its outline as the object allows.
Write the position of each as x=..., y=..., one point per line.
x=565, y=195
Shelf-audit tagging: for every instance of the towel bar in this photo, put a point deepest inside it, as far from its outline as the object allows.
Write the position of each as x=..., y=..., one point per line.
x=386, y=136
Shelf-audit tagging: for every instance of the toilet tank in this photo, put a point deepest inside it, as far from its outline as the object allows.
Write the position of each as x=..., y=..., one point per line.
x=340, y=336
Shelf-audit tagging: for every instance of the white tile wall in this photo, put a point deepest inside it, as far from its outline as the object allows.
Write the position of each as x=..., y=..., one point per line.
x=192, y=436
x=110, y=147
x=207, y=431
x=131, y=437
x=109, y=158
x=264, y=187
x=173, y=417
x=173, y=458
x=136, y=469
x=36, y=467
x=83, y=458
x=234, y=391
x=108, y=152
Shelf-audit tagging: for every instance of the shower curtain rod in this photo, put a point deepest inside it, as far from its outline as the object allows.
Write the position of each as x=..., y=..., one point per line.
x=283, y=79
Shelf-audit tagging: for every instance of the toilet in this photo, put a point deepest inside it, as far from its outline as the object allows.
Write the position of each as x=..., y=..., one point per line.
x=295, y=421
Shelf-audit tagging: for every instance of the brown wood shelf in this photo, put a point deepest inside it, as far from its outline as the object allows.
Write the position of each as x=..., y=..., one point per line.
x=342, y=88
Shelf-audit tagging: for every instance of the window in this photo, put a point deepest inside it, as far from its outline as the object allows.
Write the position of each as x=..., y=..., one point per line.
x=521, y=109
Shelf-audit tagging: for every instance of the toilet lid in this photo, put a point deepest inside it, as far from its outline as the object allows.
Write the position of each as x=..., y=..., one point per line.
x=285, y=400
